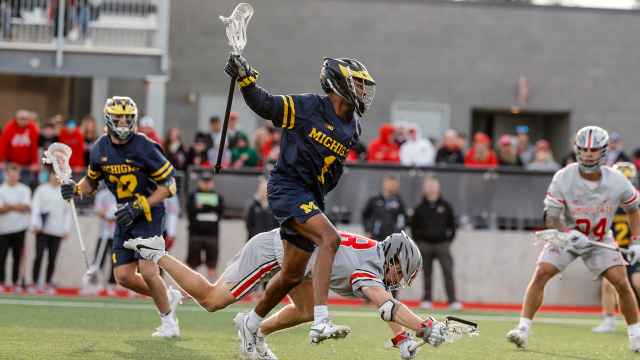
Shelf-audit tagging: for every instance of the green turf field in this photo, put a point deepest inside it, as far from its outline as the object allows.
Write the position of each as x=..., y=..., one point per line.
x=63, y=328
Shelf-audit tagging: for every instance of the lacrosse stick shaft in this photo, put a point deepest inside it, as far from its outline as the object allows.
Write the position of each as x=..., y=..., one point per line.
x=75, y=219
x=417, y=345
x=225, y=124
x=610, y=247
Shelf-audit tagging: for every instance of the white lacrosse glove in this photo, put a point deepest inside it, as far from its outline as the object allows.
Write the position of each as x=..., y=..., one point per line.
x=634, y=245
x=431, y=332
x=575, y=238
x=404, y=341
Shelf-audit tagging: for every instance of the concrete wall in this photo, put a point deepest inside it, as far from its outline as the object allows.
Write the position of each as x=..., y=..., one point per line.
x=490, y=267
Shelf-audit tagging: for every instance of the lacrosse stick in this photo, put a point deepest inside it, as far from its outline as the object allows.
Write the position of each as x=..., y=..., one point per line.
x=453, y=330
x=96, y=263
x=237, y=34
x=551, y=236
x=58, y=155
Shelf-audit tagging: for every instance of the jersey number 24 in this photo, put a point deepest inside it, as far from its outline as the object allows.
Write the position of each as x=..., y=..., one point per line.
x=600, y=230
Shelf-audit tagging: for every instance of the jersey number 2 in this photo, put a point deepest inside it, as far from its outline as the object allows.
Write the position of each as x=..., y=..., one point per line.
x=125, y=184
x=600, y=230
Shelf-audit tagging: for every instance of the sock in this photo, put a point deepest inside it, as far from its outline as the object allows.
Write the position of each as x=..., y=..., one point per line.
x=609, y=319
x=525, y=323
x=254, y=321
x=260, y=335
x=320, y=313
x=168, y=317
x=633, y=330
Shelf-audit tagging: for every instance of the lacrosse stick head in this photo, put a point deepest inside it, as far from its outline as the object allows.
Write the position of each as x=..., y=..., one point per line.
x=551, y=236
x=237, y=26
x=58, y=155
x=456, y=327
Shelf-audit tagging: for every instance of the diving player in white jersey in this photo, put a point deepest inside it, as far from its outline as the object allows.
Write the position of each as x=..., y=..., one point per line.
x=587, y=194
x=363, y=268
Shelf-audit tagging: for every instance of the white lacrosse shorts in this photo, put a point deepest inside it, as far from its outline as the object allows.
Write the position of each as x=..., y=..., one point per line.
x=597, y=259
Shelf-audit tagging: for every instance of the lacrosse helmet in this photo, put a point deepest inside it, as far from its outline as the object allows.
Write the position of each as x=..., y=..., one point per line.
x=400, y=249
x=591, y=138
x=348, y=74
x=121, y=105
x=629, y=170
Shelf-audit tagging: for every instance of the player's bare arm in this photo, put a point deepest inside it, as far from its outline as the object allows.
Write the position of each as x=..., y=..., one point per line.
x=403, y=317
x=633, y=219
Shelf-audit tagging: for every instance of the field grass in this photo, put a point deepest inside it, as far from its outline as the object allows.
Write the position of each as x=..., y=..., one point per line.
x=66, y=328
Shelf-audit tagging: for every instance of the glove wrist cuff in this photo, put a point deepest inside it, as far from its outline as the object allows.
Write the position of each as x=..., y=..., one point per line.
x=634, y=240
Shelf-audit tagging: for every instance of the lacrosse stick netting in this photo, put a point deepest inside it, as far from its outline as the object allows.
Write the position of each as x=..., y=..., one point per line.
x=58, y=155
x=237, y=26
x=454, y=328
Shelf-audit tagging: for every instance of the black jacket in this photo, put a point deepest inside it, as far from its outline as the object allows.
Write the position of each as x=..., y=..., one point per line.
x=259, y=219
x=433, y=222
x=444, y=156
x=204, y=226
x=383, y=216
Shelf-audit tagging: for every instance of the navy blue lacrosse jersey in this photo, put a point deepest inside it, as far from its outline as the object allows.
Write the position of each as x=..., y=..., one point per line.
x=315, y=140
x=620, y=228
x=129, y=169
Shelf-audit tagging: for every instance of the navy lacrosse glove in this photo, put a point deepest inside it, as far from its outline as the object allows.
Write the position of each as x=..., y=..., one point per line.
x=130, y=211
x=237, y=66
x=69, y=190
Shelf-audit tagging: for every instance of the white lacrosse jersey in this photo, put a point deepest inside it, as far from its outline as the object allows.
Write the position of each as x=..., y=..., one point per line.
x=359, y=264
x=591, y=211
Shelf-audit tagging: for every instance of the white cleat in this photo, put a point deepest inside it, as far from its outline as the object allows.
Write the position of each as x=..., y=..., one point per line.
x=262, y=349
x=634, y=344
x=426, y=305
x=167, y=330
x=175, y=299
x=605, y=327
x=245, y=335
x=151, y=249
x=327, y=330
x=518, y=336
x=456, y=306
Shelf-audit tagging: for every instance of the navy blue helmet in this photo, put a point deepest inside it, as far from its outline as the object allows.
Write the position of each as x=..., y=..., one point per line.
x=349, y=79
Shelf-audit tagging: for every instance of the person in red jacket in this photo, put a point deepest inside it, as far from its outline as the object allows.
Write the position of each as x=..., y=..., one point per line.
x=145, y=126
x=480, y=154
x=72, y=137
x=384, y=147
x=19, y=142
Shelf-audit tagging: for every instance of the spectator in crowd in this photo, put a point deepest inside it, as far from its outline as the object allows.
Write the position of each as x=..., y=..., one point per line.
x=72, y=137
x=35, y=118
x=198, y=153
x=416, y=151
x=400, y=132
x=480, y=154
x=357, y=153
x=260, y=138
x=15, y=199
x=50, y=221
x=5, y=19
x=90, y=132
x=506, y=153
x=384, y=213
x=205, y=208
x=450, y=152
x=47, y=137
x=526, y=151
x=271, y=149
x=543, y=159
x=433, y=228
x=213, y=142
x=384, y=147
x=571, y=156
x=58, y=124
x=105, y=206
x=234, y=129
x=257, y=213
x=174, y=210
x=175, y=148
x=242, y=155
x=615, y=152
x=462, y=140
x=146, y=126
x=19, y=144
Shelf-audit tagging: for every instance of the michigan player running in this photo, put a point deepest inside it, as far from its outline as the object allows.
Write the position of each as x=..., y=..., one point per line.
x=620, y=230
x=363, y=268
x=140, y=177
x=318, y=132
x=587, y=194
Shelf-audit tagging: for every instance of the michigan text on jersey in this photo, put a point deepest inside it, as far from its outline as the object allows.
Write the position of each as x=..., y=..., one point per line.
x=327, y=141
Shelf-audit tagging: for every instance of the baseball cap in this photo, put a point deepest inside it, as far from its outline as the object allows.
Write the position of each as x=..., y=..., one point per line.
x=71, y=123
x=522, y=129
x=542, y=145
x=505, y=140
x=233, y=114
x=615, y=137
x=206, y=176
x=146, y=121
x=482, y=138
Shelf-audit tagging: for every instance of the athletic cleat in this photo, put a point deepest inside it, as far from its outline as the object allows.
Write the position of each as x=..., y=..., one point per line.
x=151, y=249
x=634, y=344
x=247, y=337
x=426, y=305
x=262, y=349
x=327, y=330
x=456, y=306
x=167, y=330
x=518, y=336
x=175, y=299
x=605, y=327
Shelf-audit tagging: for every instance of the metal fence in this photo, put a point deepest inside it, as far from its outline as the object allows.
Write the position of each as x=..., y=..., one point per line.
x=123, y=23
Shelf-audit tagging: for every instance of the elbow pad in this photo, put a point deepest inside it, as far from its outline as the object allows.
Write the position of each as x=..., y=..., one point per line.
x=387, y=310
x=170, y=184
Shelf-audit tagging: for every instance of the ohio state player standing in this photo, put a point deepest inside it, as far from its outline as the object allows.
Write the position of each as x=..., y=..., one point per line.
x=588, y=195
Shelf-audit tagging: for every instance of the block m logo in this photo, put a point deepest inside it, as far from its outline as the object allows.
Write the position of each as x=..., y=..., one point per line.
x=308, y=207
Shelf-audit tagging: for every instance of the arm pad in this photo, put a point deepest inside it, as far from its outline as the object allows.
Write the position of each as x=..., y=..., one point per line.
x=551, y=211
x=93, y=184
x=170, y=184
x=388, y=309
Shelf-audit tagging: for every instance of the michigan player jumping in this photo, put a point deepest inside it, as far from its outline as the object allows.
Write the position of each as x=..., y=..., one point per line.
x=318, y=132
x=363, y=268
x=587, y=194
x=139, y=175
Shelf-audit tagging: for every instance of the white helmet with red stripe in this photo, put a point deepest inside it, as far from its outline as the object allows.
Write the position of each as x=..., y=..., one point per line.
x=591, y=148
x=400, y=249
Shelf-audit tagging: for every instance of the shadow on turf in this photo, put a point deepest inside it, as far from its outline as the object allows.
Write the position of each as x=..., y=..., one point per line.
x=153, y=348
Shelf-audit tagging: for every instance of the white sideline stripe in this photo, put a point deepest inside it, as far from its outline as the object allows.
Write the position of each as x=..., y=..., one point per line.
x=129, y=306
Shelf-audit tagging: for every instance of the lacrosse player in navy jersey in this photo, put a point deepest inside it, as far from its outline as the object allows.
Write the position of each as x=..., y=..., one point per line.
x=137, y=172
x=318, y=132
